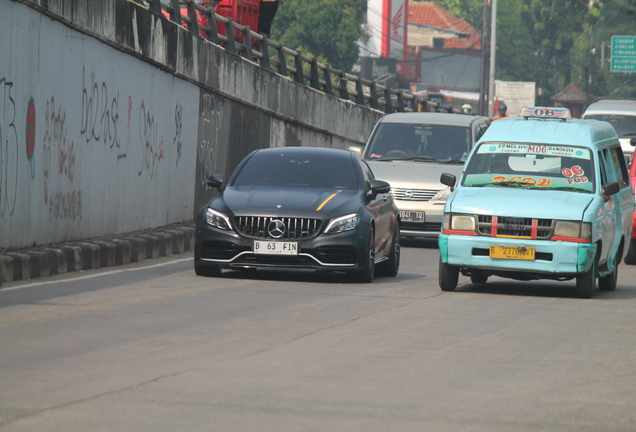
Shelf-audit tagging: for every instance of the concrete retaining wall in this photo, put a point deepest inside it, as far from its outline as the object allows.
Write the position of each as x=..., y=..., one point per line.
x=112, y=118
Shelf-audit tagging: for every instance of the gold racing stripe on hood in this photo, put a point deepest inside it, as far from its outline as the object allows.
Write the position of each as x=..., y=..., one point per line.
x=327, y=200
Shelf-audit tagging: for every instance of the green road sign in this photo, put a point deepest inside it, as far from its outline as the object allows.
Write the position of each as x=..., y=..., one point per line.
x=623, y=54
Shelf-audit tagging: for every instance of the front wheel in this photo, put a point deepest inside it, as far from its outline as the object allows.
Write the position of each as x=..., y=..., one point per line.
x=448, y=276
x=586, y=282
x=366, y=274
x=391, y=266
x=478, y=279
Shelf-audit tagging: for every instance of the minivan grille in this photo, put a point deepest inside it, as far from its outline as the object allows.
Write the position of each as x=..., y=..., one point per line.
x=413, y=194
x=506, y=226
x=262, y=227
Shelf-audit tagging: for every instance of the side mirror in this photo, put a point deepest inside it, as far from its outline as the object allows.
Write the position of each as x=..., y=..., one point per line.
x=448, y=179
x=632, y=142
x=216, y=181
x=611, y=189
x=380, y=187
x=355, y=149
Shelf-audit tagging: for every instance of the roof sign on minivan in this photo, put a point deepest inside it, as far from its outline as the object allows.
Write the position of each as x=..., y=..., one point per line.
x=545, y=112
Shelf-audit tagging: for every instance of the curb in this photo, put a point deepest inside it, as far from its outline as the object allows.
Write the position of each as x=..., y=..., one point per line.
x=62, y=258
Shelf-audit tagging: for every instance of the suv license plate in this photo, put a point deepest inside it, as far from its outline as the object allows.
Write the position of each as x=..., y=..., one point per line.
x=512, y=252
x=275, y=248
x=411, y=216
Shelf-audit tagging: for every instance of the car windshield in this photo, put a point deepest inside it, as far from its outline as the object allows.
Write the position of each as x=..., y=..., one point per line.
x=625, y=125
x=535, y=166
x=420, y=142
x=288, y=170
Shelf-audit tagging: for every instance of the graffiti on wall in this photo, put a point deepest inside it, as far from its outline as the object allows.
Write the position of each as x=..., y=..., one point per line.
x=178, y=126
x=211, y=122
x=30, y=135
x=58, y=163
x=100, y=115
x=151, y=143
x=8, y=150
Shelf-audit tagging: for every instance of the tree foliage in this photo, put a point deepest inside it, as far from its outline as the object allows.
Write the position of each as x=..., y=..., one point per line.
x=325, y=29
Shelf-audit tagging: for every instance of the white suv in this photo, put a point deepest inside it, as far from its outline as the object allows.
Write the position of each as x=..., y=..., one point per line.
x=410, y=151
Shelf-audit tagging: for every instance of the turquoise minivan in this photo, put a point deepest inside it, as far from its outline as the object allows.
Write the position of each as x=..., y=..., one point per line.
x=542, y=196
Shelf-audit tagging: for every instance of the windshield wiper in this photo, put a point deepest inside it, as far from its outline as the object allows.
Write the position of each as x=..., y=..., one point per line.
x=512, y=183
x=451, y=161
x=410, y=158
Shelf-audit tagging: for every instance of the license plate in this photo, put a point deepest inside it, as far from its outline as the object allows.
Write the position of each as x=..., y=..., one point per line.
x=512, y=252
x=275, y=248
x=411, y=216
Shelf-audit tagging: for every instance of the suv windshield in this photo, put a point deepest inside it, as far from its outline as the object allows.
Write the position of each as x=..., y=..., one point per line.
x=536, y=166
x=625, y=125
x=410, y=141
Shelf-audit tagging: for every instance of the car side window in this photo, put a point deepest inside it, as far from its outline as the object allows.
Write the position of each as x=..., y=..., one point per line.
x=619, y=166
x=480, y=130
x=603, y=172
x=367, y=173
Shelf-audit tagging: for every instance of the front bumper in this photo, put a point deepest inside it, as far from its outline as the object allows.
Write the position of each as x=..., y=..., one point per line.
x=554, y=259
x=431, y=227
x=333, y=252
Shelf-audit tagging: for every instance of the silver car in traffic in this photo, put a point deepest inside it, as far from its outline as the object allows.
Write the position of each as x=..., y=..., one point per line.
x=411, y=151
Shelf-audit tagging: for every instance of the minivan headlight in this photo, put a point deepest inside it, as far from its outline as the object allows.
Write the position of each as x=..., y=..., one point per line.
x=217, y=219
x=343, y=223
x=573, y=229
x=462, y=223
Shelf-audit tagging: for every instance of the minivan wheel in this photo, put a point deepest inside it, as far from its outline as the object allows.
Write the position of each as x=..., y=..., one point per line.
x=586, y=282
x=448, y=276
x=478, y=279
x=608, y=283
x=630, y=258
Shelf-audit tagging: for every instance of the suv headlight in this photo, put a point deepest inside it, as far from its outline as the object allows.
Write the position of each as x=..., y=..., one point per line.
x=217, y=219
x=442, y=195
x=573, y=229
x=343, y=223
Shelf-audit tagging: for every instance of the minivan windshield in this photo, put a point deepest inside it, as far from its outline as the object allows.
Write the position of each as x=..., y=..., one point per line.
x=419, y=142
x=533, y=166
x=625, y=125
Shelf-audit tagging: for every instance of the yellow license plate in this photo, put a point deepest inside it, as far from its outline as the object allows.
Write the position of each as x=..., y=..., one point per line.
x=512, y=252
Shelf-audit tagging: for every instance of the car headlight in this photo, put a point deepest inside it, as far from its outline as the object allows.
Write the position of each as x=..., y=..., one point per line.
x=217, y=219
x=343, y=223
x=442, y=195
x=458, y=222
x=573, y=229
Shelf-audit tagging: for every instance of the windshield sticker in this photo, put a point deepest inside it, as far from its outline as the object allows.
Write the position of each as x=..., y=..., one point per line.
x=375, y=156
x=535, y=149
x=530, y=181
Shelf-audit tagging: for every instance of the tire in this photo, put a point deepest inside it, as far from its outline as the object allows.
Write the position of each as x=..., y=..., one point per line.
x=448, y=276
x=366, y=274
x=586, y=282
x=630, y=258
x=608, y=283
x=207, y=270
x=391, y=266
x=478, y=279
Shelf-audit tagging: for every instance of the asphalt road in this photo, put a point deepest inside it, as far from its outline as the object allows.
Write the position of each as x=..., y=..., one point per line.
x=152, y=347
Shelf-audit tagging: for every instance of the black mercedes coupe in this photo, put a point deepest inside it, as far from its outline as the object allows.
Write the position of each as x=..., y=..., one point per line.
x=299, y=208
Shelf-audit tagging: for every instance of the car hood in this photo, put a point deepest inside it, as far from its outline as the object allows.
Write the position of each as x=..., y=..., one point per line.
x=288, y=202
x=516, y=202
x=414, y=175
